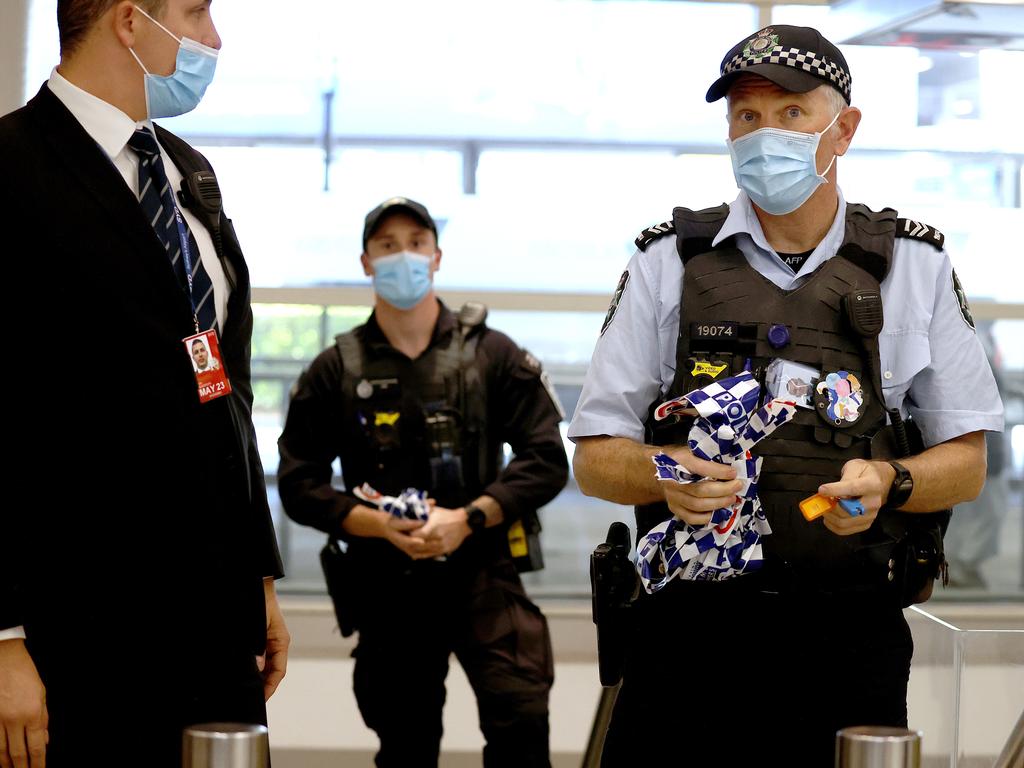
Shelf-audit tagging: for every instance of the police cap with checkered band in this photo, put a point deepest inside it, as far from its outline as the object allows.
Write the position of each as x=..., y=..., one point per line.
x=798, y=59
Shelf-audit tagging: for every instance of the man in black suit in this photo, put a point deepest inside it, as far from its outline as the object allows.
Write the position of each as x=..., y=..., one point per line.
x=137, y=566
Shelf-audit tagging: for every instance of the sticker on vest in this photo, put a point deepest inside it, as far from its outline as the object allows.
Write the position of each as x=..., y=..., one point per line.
x=787, y=380
x=961, y=300
x=385, y=418
x=839, y=398
x=367, y=388
x=705, y=331
x=615, y=301
x=706, y=368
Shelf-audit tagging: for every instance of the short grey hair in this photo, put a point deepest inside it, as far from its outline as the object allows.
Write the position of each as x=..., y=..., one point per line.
x=836, y=101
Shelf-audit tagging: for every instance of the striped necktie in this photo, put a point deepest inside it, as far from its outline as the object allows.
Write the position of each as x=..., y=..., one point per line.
x=157, y=201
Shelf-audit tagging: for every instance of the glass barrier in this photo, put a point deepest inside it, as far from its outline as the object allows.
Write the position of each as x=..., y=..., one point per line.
x=966, y=688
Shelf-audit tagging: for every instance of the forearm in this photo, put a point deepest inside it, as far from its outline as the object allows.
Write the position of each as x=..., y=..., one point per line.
x=529, y=482
x=945, y=474
x=617, y=469
x=365, y=522
x=316, y=503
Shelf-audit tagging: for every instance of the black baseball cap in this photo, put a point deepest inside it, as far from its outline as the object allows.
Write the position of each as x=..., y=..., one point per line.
x=798, y=59
x=396, y=205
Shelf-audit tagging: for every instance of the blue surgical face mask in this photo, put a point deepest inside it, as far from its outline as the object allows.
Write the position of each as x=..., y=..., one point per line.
x=402, y=279
x=778, y=169
x=179, y=92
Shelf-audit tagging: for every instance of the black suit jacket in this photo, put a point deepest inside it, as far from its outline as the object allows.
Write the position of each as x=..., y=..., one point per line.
x=138, y=510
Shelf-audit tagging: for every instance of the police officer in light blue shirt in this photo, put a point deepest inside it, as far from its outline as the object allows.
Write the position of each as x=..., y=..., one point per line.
x=814, y=642
x=933, y=366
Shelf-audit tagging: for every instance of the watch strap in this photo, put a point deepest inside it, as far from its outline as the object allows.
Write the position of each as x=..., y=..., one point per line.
x=901, y=488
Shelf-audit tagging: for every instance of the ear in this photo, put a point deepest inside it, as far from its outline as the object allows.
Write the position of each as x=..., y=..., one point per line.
x=437, y=259
x=123, y=19
x=365, y=261
x=847, y=125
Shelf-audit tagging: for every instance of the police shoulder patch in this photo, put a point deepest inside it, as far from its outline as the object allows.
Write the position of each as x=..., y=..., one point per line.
x=916, y=230
x=531, y=368
x=961, y=300
x=651, y=234
x=615, y=301
x=530, y=364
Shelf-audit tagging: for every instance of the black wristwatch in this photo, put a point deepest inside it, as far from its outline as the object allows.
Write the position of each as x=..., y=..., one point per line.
x=901, y=488
x=476, y=518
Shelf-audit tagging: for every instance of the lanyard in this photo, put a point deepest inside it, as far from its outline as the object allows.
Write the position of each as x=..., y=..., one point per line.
x=186, y=254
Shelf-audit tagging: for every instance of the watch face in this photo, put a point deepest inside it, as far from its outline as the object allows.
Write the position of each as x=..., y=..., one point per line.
x=476, y=518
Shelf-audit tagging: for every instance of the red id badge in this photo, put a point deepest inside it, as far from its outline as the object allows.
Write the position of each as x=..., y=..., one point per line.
x=211, y=376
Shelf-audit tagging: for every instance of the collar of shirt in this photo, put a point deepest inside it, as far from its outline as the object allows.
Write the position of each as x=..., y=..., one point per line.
x=111, y=128
x=106, y=124
x=444, y=326
x=743, y=223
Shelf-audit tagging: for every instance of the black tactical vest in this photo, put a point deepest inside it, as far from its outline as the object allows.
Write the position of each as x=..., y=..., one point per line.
x=417, y=423
x=731, y=315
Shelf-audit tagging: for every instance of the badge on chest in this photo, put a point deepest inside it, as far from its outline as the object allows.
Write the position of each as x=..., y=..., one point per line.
x=208, y=365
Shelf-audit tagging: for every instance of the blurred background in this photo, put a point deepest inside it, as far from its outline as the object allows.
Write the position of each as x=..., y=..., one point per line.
x=544, y=135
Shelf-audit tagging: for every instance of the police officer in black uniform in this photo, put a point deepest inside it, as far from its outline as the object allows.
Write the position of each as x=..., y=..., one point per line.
x=421, y=397
x=763, y=668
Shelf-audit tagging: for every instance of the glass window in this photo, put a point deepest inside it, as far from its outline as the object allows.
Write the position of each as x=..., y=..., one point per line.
x=295, y=233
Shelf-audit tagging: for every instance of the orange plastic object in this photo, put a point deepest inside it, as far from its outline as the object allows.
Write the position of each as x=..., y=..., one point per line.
x=815, y=506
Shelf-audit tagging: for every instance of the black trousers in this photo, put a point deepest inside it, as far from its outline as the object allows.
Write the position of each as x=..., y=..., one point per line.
x=500, y=638
x=119, y=703
x=729, y=674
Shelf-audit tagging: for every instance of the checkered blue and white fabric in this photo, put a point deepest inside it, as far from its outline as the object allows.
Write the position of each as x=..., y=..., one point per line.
x=809, y=61
x=729, y=424
x=410, y=504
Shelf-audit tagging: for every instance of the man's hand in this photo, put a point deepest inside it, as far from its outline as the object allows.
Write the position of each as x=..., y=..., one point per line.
x=23, y=716
x=274, y=661
x=408, y=536
x=694, y=503
x=447, y=527
x=868, y=481
x=369, y=522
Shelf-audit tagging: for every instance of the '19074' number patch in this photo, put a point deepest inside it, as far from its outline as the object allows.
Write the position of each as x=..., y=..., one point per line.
x=703, y=331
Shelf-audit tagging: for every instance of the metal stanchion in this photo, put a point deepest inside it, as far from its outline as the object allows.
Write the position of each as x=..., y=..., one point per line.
x=598, y=731
x=1013, y=751
x=877, y=746
x=225, y=745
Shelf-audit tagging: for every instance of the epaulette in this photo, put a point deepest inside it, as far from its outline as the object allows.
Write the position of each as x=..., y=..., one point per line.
x=651, y=234
x=918, y=231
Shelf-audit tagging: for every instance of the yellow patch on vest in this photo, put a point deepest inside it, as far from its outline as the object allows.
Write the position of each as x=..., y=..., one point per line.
x=385, y=417
x=702, y=368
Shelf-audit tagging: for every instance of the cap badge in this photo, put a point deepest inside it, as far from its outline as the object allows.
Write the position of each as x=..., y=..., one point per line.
x=761, y=44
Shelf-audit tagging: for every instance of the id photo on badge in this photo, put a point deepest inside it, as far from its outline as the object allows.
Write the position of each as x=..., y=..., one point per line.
x=203, y=360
